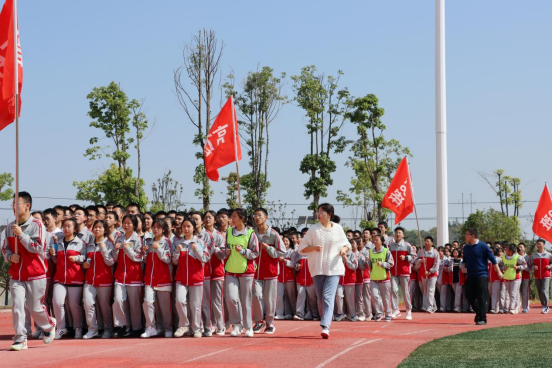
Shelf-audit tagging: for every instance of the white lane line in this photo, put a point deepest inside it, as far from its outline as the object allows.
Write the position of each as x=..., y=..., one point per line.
x=406, y=334
x=359, y=341
x=345, y=351
x=213, y=353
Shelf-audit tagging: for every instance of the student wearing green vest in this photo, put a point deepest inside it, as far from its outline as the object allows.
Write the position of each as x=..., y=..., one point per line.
x=242, y=249
x=380, y=261
x=512, y=265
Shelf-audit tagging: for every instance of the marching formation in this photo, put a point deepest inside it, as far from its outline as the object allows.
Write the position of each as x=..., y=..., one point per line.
x=108, y=271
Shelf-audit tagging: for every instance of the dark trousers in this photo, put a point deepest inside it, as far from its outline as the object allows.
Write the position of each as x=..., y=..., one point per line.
x=476, y=290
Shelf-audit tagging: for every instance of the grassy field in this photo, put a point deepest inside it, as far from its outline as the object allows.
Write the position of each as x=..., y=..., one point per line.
x=520, y=346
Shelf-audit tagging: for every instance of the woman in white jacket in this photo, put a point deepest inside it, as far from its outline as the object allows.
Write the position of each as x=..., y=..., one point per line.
x=324, y=244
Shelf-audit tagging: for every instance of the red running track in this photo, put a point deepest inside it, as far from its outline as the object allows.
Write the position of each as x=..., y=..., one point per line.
x=295, y=344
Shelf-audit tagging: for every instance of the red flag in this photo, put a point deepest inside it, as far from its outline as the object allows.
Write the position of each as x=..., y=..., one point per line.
x=543, y=216
x=7, y=65
x=399, y=197
x=219, y=147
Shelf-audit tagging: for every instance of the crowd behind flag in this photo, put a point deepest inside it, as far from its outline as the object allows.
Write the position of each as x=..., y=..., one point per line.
x=7, y=67
x=219, y=149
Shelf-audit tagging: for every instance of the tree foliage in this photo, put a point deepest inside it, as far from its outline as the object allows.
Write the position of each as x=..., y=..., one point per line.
x=324, y=105
x=6, y=180
x=166, y=194
x=506, y=188
x=493, y=225
x=107, y=187
x=374, y=158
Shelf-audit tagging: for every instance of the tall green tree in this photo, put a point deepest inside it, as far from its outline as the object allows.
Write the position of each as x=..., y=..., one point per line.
x=493, y=225
x=115, y=116
x=194, y=86
x=259, y=101
x=6, y=180
x=506, y=188
x=107, y=187
x=374, y=159
x=166, y=194
x=324, y=105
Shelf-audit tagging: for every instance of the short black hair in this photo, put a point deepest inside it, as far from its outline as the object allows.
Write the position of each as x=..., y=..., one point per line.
x=114, y=215
x=399, y=229
x=101, y=207
x=133, y=204
x=377, y=230
x=264, y=211
x=540, y=240
x=50, y=211
x=384, y=223
x=473, y=231
x=81, y=208
x=224, y=211
x=133, y=220
x=27, y=198
x=94, y=208
x=429, y=238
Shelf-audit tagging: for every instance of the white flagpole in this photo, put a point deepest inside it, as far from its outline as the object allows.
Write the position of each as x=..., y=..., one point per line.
x=441, y=135
x=235, y=152
x=16, y=74
x=414, y=202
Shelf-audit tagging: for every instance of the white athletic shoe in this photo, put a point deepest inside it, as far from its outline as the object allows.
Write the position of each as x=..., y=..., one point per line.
x=325, y=333
x=181, y=331
x=49, y=337
x=249, y=332
x=60, y=332
x=90, y=334
x=78, y=333
x=220, y=332
x=396, y=314
x=361, y=318
x=18, y=346
x=236, y=330
x=149, y=332
x=408, y=316
x=198, y=334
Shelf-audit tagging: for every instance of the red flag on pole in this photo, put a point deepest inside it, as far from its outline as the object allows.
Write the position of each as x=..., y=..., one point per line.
x=543, y=216
x=399, y=197
x=7, y=65
x=219, y=147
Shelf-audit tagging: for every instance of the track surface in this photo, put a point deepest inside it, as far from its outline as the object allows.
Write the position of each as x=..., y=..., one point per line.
x=295, y=344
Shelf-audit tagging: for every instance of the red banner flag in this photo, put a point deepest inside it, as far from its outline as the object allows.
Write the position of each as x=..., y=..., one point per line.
x=219, y=147
x=399, y=197
x=543, y=216
x=7, y=65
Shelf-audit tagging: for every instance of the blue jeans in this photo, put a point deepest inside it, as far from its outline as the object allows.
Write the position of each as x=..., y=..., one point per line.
x=326, y=286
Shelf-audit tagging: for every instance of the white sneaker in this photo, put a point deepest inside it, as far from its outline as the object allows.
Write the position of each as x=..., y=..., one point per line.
x=396, y=314
x=78, y=333
x=198, y=334
x=18, y=346
x=325, y=333
x=90, y=334
x=408, y=316
x=49, y=337
x=361, y=318
x=220, y=332
x=181, y=331
x=297, y=317
x=37, y=333
x=236, y=330
x=279, y=317
x=149, y=332
x=60, y=332
x=249, y=332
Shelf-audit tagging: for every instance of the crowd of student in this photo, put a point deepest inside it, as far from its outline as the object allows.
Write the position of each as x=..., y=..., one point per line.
x=117, y=272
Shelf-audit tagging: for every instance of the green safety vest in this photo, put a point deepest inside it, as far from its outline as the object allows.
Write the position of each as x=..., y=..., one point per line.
x=378, y=273
x=510, y=273
x=236, y=263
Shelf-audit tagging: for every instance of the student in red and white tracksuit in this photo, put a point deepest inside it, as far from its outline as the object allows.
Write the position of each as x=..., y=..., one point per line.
x=429, y=263
x=512, y=287
x=495, y=284
x=363, y=284
x=525, y=283
x=266, y=274
x=69, y=256
x=457, y=279
x=286, y=288
x=403, y=256
x=346, y=287
x=541, y=264
x=189, y=256
x=98, y=287
x=129, y=277
x=157, y=281
x=217, y=277
x=27, y=272
x=306, y=290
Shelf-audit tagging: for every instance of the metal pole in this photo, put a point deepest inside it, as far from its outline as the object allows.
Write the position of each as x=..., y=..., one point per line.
x=235, y=153
x=16, y=87
x=441, y=141
x=463, y=205
x=414, y=204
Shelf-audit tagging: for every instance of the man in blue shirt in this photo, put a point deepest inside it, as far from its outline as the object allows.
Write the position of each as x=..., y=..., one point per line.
x=476, y=255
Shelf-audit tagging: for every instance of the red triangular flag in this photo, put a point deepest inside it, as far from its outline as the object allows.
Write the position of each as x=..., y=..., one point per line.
x=7, y=66
x=543, y=216
x=219, y=147
x=399, y=198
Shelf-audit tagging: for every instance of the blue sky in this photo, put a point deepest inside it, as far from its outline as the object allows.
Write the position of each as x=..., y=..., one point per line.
x=498, y=58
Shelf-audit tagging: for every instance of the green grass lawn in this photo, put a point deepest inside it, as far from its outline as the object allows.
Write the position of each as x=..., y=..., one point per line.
x=519, y=346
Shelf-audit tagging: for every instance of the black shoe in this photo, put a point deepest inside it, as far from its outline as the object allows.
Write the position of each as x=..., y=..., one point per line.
x=257, y=327
x=135, y=333
x=481, y=322
x=270, y=330
x=476, y=318
x=117, y=332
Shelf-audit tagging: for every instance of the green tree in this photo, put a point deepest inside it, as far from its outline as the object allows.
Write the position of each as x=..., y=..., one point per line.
x=194, y=86
x=232, y=192
x=107, y=187
x=166, y=194
x=493, y=225
x=324, y=105
x=374, y=158
x=114, y=115
x=258, y=103
x=6, y=180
